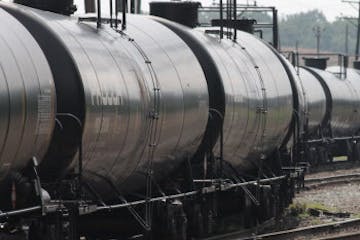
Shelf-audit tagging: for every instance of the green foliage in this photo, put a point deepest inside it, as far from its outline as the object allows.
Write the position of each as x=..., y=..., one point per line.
x=297, y=209
x=320, y=207
x=299, y=28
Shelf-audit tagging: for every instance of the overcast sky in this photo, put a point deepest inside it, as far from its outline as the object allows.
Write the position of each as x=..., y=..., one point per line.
x=331, y=8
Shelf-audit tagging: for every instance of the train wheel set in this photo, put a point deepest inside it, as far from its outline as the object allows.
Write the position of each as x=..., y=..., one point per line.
x=151, y=130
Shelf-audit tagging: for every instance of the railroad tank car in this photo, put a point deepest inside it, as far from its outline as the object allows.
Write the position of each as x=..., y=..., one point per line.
x=27, y=103
x=316, y=101
x=133, y=94
x=132, y=106
x=118, y=75
x=352, y=76
x=257, y=93
x=342, y=101
x=332, y=124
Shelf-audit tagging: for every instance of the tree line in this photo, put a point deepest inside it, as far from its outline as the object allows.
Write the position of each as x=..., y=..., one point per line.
x=299, y=29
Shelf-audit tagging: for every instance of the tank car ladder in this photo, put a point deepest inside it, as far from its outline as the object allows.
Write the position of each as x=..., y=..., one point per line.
x=153, y=115
x=153, y=134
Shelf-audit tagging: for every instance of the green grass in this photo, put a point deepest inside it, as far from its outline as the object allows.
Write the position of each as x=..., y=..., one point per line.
x=301, y=209
x=355, y=216
x=320, y=207
x=297, y=209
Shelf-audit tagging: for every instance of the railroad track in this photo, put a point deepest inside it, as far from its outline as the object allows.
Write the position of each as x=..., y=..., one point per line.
x=338, y=179
x=336, y=229
x=346, y=236
x=333, y=228
x=336, y=165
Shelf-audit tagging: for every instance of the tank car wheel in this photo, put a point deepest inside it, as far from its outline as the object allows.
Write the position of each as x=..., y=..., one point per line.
x=312, y=156
x=196, y=221
x=248, y=215
x=178, y=227
x=266, y=209
x=323, y=155
x=171, y=222
x=41, y=231
x=35, y=232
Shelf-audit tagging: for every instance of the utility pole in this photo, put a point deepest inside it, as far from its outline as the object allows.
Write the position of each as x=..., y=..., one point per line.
x=347, y=39
x=358, y=35
x=317, y=31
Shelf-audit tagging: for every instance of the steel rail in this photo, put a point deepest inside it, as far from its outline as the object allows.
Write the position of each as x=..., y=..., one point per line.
x=354, y=236
x=332, y=178
x=289, y=234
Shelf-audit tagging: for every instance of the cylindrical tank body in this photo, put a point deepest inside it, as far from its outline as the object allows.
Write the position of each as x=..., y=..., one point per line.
x=276, y=107
x=144, y=102
x=353, y=82
x=257, y=98
x=315, y=100
x=184, y=100
x=145, y=97
x=27, y=97
x=342, y=110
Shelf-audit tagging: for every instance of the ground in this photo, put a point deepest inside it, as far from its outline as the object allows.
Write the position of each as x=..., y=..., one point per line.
x=324, y=204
